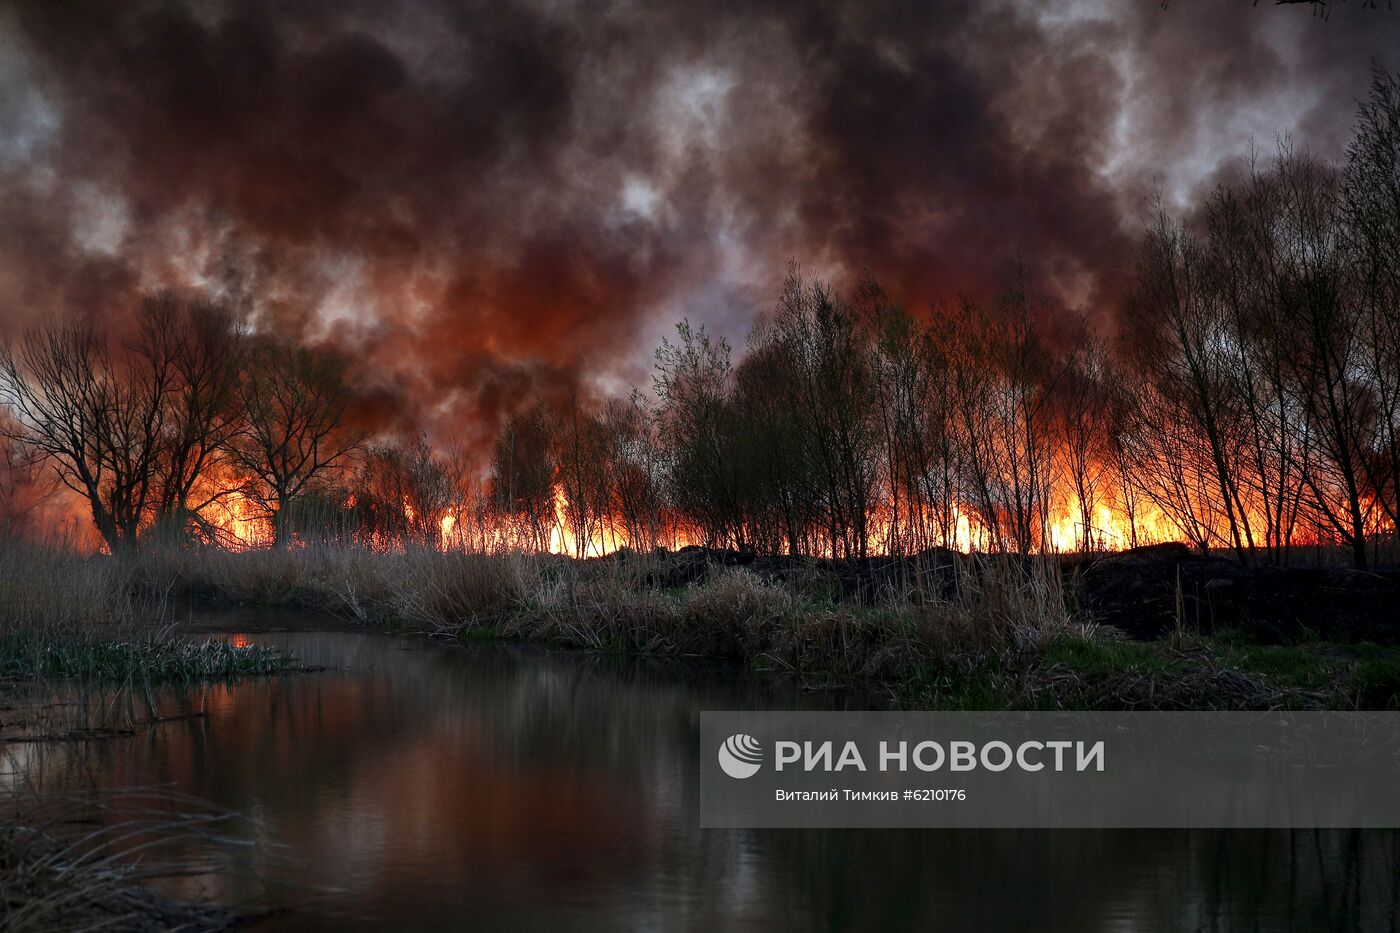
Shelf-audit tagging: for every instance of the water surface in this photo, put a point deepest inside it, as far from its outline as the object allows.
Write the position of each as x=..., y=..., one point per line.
x=430, y=787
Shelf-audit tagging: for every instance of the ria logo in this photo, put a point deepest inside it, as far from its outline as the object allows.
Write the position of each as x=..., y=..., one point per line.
x=740, y=756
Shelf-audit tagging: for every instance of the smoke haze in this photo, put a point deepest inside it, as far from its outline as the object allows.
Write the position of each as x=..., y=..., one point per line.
x=478, y=202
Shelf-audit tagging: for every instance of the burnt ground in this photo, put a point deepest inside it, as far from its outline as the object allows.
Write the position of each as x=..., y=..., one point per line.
x=1146, y=592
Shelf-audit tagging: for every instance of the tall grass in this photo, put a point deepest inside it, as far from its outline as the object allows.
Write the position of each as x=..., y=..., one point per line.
x=52, y=588
x=985, y=609
x=55, y=877
x=104, y=623
x=979, y=630
x=94, y=618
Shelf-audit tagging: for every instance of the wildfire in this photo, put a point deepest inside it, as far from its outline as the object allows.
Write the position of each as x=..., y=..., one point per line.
x=240, y=523
x=563, y=540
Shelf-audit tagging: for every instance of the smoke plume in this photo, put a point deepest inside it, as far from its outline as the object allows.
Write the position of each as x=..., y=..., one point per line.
x=481, y=202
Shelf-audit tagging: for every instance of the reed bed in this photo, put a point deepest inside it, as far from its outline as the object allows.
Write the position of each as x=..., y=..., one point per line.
x=58, y=873
x=64, y=616
x=979, y=632
x=105, y=624
x=985, y=632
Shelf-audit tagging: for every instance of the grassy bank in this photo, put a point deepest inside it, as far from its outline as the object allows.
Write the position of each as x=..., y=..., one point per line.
x=96, y=622
x=94, y=619
x=986, y=634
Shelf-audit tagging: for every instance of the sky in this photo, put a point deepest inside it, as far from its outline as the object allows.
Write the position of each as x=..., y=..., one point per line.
x=483, y=202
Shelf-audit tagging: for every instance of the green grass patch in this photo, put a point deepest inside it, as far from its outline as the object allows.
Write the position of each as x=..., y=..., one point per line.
x=1301, y=666
x=1363, y=675
x=973, y=685
x=481, y=635
x=173, y=660
x=1097, y=657
x=1364, y=651
x=1377, y=684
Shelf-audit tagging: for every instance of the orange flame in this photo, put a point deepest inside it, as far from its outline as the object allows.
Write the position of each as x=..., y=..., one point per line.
x=241, y=523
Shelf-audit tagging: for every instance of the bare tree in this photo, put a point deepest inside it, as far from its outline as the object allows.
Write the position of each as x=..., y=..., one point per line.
x=1022, y=436
x=295, y=431
x=1121, y=421
x=1246, y=265
x=633, y=459
x=405, y=492
x=778, y=480
x=581, y=459
x=1083, y=409
x=1163, y=456
x=522, y=476
x=204, y=345
x=902, y=390
x=1371, y=217
x=1323, y=310
x=832, y=393
x=1182, y=350
x=100, y=422
x=694, y=385
x=1001, y=376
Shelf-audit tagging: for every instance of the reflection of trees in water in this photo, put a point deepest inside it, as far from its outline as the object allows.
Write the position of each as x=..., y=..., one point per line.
x=1069, y=880
x=545, y=783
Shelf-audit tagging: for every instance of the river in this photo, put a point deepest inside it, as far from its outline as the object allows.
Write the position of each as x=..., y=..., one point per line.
x=424, y=786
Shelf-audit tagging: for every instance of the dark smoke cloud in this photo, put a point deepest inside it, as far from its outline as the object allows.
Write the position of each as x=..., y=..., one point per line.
x=482, y=201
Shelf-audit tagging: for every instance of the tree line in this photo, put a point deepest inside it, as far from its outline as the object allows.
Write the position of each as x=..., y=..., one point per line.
x=1250, y=400
x=156, y=430
x=1247, y=400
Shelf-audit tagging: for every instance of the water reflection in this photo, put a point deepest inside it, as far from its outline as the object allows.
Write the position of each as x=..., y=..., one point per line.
x=503, y=789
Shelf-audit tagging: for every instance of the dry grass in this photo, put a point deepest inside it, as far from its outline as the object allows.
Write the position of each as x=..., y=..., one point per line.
x=1001, y=612
x=1003, y=634
x=104, y=623
x=50, y=588
x=55, y=879
x=64, y=616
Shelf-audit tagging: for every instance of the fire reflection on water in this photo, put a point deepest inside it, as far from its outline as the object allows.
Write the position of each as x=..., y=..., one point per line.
x=501, y=789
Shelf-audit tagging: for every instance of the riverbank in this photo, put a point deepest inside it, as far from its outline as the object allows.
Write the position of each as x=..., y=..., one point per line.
x=67, y=620
x=942, y=631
